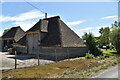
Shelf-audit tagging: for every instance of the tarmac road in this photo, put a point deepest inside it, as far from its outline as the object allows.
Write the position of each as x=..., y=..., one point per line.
x=113, y=72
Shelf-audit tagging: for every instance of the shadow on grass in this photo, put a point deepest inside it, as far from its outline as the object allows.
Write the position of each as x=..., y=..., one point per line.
x=115, y=53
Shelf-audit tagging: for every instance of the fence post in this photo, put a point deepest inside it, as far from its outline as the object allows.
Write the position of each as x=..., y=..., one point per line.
x=55, y=55
x=38, y=60
x=68, y=53
x=15, y=60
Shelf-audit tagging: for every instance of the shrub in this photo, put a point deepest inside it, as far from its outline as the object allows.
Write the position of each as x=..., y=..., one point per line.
x=112, y=47
x=91, y=43
x=89, y=56
x=101, y=57
x=98, y=52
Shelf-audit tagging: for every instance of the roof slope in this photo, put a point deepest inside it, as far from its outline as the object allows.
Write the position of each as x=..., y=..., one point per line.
x=58, y=34
x=41, y=25
x=68, y=37
x=14, y=33
x=11, y=33
x=22, y=41
x=36, y=27
x=53, y=36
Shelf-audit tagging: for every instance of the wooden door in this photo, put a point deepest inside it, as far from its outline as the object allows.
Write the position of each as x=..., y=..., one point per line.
x=33, y=43
x=30, y=43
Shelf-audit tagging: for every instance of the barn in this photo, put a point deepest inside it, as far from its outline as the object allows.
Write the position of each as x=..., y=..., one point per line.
x=10, y=37
x=51, y=37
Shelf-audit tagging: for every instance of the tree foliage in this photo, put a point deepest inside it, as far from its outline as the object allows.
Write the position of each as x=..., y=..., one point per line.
x=104, y=37
x=6, y=30
x=90, y=42
x=115, y=38
x=116, y=24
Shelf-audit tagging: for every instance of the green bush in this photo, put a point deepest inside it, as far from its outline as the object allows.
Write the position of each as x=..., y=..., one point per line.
x=112, y=47
x=91, y=43
x=98, y=52
x=89, y=56
x=101, y=57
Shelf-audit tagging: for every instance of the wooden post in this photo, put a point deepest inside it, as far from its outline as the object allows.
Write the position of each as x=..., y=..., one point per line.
x=55, y=55
x=7, y=45
x=15, y=60
x=38, y=60
x=68, y=53
x=1, y=44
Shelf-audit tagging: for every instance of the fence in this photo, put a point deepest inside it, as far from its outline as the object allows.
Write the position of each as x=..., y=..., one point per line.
x=43, y=57
x=25, y=60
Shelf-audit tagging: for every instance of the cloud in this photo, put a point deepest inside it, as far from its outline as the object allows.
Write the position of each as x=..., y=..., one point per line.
x=109, y=17
x=1, y=33
x=86, y=29
x=25, y=25
x=23, y=16
x=94, y=30
x=91, y=28
x=75, y=23
x=24, y=20
x=4, y=18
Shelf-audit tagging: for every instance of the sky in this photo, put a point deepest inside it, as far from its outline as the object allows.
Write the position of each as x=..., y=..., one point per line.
x=81, y=17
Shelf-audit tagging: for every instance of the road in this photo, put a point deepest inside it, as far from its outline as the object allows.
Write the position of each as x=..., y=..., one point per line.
x=113, y=72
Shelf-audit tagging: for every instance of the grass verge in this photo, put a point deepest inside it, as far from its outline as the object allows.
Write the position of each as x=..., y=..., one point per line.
x=73, y=68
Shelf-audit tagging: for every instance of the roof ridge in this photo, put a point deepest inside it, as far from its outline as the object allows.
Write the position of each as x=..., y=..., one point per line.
x=51, y=17
x=60, y=32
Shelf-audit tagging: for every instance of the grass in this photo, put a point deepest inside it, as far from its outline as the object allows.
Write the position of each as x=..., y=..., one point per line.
x=110, y=52
x=92, y=71
x=73, y=68
x=53, y=69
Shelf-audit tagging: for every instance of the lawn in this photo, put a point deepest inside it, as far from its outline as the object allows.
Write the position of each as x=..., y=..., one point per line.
x=53, y=69
x=110, y=52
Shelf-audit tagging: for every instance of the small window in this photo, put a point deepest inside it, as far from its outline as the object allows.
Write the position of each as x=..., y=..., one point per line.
x=44, y=26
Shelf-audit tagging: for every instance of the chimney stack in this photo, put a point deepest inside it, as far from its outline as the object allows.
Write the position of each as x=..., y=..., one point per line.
x=45, y=15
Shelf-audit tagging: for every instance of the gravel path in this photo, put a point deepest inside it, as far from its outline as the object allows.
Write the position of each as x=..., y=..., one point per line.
x=7, y=61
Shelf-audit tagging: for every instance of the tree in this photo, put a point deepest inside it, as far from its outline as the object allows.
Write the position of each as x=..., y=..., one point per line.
x=115, y=38
x=101, y=30
x=104, y=37
x=90, y=42
x=97, y=40
x=115, y=24
x=6, y=30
